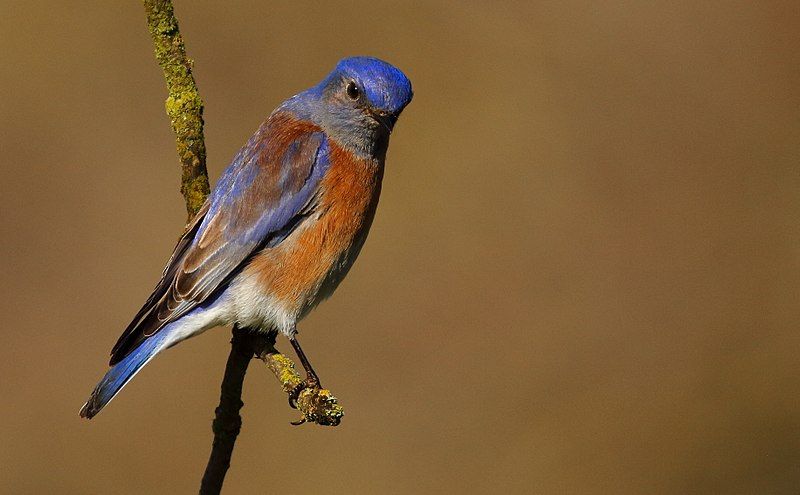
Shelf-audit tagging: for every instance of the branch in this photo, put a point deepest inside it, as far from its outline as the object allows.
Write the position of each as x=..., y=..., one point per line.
x=317, y=405
x=227, y=421
x=185, y=110
x=184, y=105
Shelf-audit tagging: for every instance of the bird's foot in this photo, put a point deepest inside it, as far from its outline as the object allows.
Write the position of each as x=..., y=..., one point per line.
x=316, y=405
x=294, y=394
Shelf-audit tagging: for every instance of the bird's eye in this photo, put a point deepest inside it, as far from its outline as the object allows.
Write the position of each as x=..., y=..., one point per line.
x=352, y=90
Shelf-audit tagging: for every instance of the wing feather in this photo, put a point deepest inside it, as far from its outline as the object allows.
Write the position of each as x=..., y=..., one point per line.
x=268, y=188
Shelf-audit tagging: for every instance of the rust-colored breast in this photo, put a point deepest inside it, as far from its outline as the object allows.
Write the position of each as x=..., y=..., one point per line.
x=308, y=265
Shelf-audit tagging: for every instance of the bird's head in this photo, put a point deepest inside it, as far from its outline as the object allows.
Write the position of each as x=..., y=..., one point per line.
x=358, y=103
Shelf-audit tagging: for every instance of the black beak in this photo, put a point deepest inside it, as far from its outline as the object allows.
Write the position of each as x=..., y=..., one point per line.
x=386, y=119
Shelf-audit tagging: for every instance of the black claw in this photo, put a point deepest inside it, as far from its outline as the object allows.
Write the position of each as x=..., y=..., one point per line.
x=294, y=394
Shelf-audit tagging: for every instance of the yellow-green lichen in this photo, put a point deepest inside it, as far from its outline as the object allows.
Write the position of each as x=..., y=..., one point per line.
x=317, y=405
x=183, y=105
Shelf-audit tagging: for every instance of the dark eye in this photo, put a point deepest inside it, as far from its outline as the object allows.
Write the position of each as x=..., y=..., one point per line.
x=352, y=90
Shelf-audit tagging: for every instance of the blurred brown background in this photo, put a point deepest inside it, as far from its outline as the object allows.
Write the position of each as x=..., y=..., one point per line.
x=583, y=276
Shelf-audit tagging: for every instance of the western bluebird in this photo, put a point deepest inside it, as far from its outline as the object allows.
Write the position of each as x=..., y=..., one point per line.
x=283, y=225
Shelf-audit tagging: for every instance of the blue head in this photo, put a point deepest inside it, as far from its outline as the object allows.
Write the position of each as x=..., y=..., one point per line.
x=373, y=85
x=357, y=104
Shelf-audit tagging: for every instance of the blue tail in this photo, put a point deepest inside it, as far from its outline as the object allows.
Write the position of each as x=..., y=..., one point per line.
x=121, y=373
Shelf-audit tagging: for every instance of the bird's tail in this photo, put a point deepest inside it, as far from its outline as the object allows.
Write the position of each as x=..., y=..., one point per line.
x=121, y=373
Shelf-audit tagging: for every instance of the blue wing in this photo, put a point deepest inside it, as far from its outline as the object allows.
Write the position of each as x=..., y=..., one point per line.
x=267, y=190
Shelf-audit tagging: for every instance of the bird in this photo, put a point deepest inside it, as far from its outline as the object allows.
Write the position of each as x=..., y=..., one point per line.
x=282, y=226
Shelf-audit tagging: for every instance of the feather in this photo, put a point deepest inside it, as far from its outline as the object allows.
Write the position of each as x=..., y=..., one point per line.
x=266, y=191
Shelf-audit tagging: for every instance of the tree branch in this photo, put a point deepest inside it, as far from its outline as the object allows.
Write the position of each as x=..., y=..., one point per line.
x=227, y=421
x=185, y=110
x=317, y=405
x=184, y=105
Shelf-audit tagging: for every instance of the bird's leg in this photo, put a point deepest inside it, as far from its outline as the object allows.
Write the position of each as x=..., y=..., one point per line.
x=311, y=377
x=311, y=381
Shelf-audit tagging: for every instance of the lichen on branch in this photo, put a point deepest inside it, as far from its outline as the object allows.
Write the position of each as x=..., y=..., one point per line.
x=184, y=105
x=317, y=405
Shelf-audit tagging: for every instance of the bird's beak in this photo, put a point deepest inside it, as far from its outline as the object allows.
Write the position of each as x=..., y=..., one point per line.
x=386, y=119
